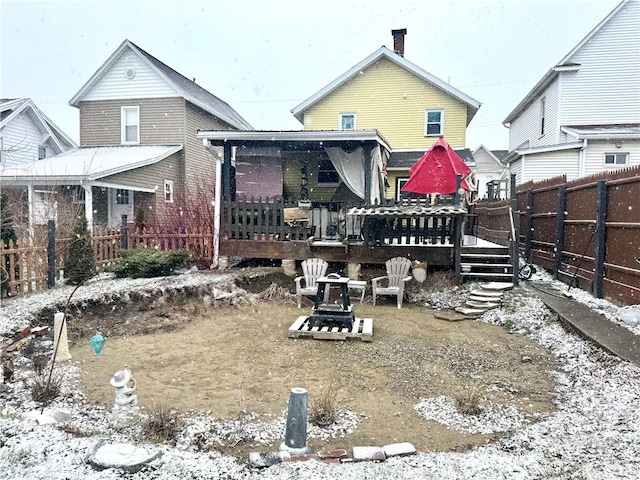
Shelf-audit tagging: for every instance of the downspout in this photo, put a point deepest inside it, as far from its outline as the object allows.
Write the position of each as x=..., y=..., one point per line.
x=582, y=159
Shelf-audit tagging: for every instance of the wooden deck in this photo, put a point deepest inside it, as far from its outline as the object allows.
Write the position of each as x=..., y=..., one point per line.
x=362, y=330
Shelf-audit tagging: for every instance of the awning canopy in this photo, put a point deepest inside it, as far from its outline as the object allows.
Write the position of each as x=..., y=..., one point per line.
x=436, y=171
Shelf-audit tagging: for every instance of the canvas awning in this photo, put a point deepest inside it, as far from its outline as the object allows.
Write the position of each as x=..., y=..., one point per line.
x=436, y=171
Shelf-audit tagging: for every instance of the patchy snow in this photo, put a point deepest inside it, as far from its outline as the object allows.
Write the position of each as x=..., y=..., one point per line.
x=594, y=434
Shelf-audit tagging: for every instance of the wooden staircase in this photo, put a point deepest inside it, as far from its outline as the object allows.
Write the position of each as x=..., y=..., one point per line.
x=486, y=263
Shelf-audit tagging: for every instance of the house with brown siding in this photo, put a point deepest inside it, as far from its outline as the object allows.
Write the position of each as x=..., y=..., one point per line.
x=138, y=154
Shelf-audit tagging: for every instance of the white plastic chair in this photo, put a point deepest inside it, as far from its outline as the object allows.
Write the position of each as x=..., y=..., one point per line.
x=312, y=269
x=397, y=276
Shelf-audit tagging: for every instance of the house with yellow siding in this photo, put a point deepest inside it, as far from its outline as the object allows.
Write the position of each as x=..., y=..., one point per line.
x=410, y=107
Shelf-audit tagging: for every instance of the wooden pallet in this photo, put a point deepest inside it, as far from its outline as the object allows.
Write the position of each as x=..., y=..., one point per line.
x=362, y=330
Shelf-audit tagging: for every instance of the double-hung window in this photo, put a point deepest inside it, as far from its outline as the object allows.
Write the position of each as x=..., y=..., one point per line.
x=615, y=159
x=347, y=121
x=433, y=123
x=130, y=121
x=168, y=191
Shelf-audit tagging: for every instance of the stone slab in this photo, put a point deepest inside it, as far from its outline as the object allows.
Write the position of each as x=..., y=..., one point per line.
x=364, y=454
x=399, y=449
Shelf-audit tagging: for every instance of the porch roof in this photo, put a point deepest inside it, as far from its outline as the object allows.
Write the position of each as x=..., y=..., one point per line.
x=87, y=164
x=292, y=140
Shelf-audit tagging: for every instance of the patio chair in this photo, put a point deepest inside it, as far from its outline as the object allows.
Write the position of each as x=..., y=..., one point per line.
x=397, y=276
x=312, y=269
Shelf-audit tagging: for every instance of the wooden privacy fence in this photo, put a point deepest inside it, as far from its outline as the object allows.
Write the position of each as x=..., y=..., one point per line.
x=29, y=269
x=587, y=229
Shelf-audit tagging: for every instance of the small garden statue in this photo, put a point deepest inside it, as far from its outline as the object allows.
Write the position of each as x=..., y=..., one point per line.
x=126, y=404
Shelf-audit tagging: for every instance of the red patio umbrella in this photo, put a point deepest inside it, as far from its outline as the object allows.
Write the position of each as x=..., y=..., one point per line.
x=436, y=170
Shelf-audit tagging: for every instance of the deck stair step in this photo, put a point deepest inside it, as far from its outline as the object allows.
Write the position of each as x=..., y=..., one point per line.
x=488, y=263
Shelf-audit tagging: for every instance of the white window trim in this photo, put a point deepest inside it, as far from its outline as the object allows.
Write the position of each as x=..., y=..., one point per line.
x=348, y=114
x=426, y=123
x=123, y=131
x=398, y=186
x=608, y=165
x=168, y=183
x=44, y=148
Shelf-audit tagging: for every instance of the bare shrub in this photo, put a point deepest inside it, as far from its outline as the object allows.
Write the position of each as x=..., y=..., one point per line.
x=323, y=411
x=44, y=390
x=468, y=401
x=162, y=424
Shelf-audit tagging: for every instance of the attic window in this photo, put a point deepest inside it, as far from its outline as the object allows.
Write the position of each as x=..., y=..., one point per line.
x=130, y=73
x=42, y=153
x=433, y=123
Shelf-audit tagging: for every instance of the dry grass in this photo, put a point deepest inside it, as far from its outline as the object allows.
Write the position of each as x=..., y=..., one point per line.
x=324, y=409
x=468, y=401
x=45, y=391
x=163, y=423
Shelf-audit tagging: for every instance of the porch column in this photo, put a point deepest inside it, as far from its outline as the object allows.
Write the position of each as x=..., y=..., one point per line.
x=30, y=200
x=88, y=206
x=217, y=212
x=367, y=173
x=226, y=171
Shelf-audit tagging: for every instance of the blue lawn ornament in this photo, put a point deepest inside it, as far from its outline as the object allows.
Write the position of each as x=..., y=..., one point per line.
x=97, y=342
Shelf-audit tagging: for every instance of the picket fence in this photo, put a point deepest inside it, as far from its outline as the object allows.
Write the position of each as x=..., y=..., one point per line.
x=25, y=269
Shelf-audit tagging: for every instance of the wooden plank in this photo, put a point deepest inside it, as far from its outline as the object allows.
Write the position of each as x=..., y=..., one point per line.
x=298, y=323
x=362, y=330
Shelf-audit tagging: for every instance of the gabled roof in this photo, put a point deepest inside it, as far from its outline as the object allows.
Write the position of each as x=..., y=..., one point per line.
x=186, y=88
x=89, y=163
x=564, y=65
x=11, y=108
x=495, y=155
x=383, y=52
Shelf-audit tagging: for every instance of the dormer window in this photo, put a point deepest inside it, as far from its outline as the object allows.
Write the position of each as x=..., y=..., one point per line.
x=347, y=121
x=130, y=118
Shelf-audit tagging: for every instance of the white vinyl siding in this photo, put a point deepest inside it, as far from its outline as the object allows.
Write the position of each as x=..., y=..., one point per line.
x=527, y=126
x=540, y=166
x=606, y=89
x=22, y=140
x=114, y=84
x=594, y=155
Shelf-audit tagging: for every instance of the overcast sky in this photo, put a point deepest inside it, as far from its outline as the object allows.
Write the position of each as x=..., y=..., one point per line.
x=265, y=57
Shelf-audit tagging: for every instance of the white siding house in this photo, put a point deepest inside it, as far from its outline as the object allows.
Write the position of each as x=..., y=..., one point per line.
x=27, y=134
x=583, y=116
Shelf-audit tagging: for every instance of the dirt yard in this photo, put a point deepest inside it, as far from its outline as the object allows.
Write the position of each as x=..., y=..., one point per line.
x=229, y=359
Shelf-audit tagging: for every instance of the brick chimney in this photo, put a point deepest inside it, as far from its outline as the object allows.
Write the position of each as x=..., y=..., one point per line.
x=398, y=40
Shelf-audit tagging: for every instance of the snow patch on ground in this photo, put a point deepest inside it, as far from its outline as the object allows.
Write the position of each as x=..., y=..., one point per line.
x=594, y=434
